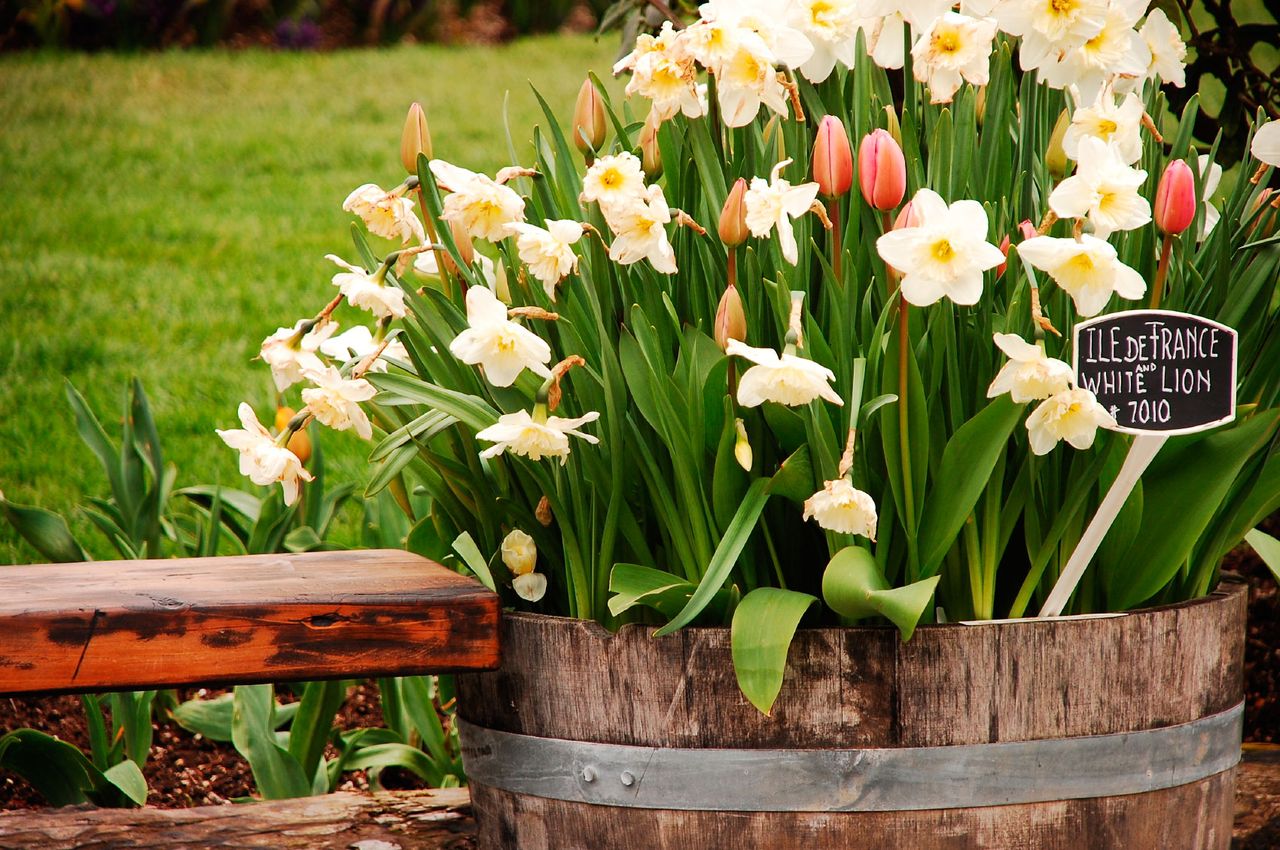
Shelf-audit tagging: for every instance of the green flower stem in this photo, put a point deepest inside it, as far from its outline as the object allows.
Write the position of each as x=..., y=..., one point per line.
x=904, y=437
x=837, y=249
x=1162, y=271
x=430, y=225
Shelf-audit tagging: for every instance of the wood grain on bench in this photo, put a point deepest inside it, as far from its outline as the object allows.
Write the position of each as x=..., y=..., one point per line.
x=129, y=625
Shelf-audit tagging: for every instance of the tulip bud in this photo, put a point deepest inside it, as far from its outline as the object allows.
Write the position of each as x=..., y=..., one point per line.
x=731, y=320
x=1055, y=157
x=1175, y=206
x=1264, y=226
x=882, y=170
x=300, y=442
x=832, y=158
x=415, y=139
x=650, y=154
x=462, y=239
x=733, y=216
x=588, y=120
x=519, y=552
x=1027, y=229
x=907, y=217
x=1004, y=249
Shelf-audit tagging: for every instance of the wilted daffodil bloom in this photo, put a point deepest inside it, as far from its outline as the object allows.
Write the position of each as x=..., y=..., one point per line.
x=358, y=343
x=548, y=253
x=1029, y=375
x=291, y=352
x=945, y=254
x=503, y=347
x=1104, y=189
x=386, y=214
x=1071, y=415
x=841, y=507
x=481, y=205
x=368, y=291
x=536, y=436
x=262, y=458
x=640, y=230
x=773, y=203
x=519, y=553
x=1088, y=270
x=335, y=401
x=614, y=181
x=953, y=49
x=785, y=379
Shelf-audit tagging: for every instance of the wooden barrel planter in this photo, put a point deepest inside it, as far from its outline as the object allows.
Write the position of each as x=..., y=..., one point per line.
x=1110, y=732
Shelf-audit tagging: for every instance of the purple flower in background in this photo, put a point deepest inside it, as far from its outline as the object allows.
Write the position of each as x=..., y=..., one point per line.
x=298, y=35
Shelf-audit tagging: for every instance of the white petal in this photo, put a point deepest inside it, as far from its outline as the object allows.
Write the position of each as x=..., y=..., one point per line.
x=1266, y=143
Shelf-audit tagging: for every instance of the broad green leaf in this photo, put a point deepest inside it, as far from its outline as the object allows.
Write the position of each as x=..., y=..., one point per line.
x=726, y=555
x=763, y=626
x=127, y=776
x=396, y=755
x=1183, y=488
x=470, y=553
x=970, y=456
x=56, y=769
x=1268, y=549
x=633, y=584
x=45, y=531
x=794, y=479
x=855, y=586
x=311, y=726
x=276, y=773
x=208, y=717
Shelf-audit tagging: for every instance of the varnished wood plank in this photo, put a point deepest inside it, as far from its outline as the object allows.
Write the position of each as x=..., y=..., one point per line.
x=414, y=820
x=123, y=625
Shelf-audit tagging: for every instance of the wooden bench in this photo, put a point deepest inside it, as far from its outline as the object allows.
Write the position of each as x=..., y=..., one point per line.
x=133, y=625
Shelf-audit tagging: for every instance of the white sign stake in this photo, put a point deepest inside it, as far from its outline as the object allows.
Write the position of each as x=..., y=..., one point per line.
x=1141, y=453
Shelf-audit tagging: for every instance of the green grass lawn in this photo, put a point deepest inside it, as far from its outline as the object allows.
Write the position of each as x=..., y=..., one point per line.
x=161, y=214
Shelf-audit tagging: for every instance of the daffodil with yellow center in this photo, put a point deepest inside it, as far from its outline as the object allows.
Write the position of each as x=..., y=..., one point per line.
x=1087, y=269
x=1073, y=415
x=503, y=348
x=955, y=48
x=1104, y=190
x=614, y=181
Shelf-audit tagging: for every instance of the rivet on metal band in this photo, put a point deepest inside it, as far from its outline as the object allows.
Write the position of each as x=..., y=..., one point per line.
x=869, y=780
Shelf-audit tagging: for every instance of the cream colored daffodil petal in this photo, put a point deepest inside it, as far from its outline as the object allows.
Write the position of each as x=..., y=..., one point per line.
x=335, y=401
x=1071, y=415
x=1266, y=144
x=1087, y=269
x=519, y=552
x=385, y=214
x=520, y=434
x=1104, y=190
x=530, y=587
x=786, y=379
x=261, y=459
x=1029, y=375
x=502, y=347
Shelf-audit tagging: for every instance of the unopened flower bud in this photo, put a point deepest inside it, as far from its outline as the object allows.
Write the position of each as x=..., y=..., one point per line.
x=907, y=217
x=733, y=216
x=1028, y=229
x=1175, y=206
x=588, y=120
x=415, y=139
x=742, y=446
x=300, y=442
x=980, y=105
x=1055, y=157
x=731, y=320
x=650, y=154
x=882, y=170
x=1004, y=249
x=1264, y=225
x=462, y=239
x=832, y=158
x=519, y=552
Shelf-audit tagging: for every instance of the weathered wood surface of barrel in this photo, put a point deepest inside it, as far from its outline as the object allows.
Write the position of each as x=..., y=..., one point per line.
x=951, y=686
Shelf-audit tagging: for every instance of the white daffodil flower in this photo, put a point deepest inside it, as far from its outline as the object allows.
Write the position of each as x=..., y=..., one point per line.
x=1071, y=415
x=1088, y=270
x=480, y=205
x=1266, y=144
x=1049, y=28
x=640, y=231
x=1118, y=124
x=614, y=181
x=1117, y=50
x=669, y=41
x=548, y=253
x=952, y=49
x=335, y=401
x=748, y=79
x=519, y=552
x=385, y=214
x=669, y=80
x=773, y=203
x=521, y=434
x=530, y=587
x=362, y=290
x=768, y=21
x=291, y=353
x=1168, y=50
x=1212, y=174
x=832, y=29
x=945, y=255
x=502, y=347
x=841, y=507
x=787, y=379
x=261, y=459
x=1029, y=375
x=1104, y=190
x=358, y=343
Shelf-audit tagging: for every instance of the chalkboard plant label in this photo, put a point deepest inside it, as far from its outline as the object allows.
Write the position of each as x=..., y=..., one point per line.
x=1158, y=371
